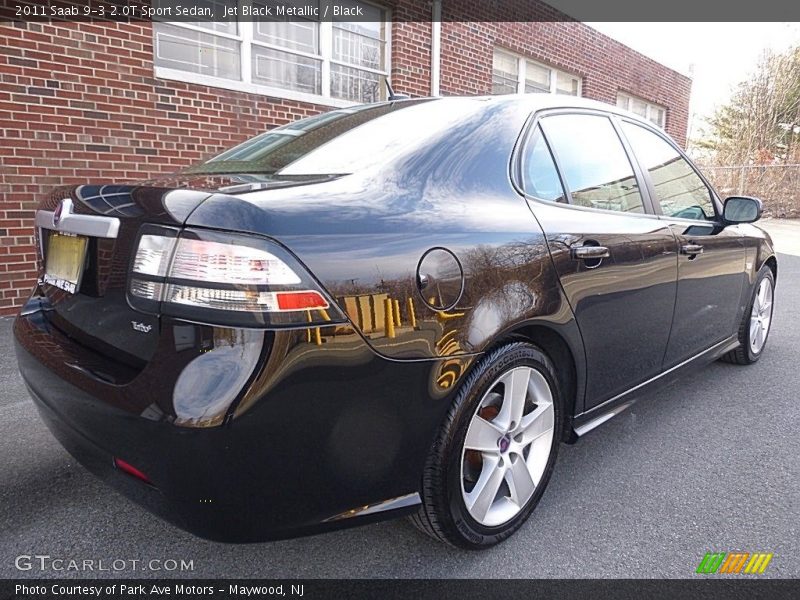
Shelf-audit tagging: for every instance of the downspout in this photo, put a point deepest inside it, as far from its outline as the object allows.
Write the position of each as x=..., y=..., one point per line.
x=436, y=45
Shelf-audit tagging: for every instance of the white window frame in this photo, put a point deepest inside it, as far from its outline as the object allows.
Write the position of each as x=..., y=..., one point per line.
x=522, y=65
x=246, y=40
x=650, y=107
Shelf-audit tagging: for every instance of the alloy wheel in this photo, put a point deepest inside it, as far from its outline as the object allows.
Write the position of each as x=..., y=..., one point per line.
x=507, y=446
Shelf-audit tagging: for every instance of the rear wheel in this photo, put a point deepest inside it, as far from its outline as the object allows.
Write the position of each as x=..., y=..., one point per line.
x=490, y=464
x=757, y=321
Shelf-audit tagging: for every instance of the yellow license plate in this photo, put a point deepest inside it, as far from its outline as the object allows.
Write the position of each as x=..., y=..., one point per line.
x=64, y=260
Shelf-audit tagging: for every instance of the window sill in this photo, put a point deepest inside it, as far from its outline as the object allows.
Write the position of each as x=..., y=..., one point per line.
x=250, y=88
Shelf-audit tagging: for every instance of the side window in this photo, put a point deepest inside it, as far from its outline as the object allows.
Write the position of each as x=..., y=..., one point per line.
x=679, y=190
x=593, y=162
x=539, y=174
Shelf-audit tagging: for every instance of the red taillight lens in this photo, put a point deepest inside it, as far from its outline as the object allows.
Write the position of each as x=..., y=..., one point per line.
x=131, y=470
x=300, y=300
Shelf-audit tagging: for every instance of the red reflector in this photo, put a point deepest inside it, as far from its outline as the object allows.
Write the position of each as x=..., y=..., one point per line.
x=300, y=300
x=131, y=470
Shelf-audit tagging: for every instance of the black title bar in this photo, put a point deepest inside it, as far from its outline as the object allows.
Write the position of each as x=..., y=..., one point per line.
x=313, y=589
x=401, y=10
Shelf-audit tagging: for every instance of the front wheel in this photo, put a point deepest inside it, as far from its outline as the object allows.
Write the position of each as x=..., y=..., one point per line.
x=757, y=321
x=493, y=457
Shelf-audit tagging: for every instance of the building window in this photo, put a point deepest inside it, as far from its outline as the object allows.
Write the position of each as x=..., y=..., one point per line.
x=513, y=74
x=332, y=62
x=652, y=112
x=505, y=73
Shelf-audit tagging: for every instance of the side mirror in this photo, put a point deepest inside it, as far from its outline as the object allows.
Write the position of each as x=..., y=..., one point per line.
x=742, y=209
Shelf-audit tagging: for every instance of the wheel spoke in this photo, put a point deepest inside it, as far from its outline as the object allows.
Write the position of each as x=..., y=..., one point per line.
x=515, y=392
x=482, y=435
x=537, y=423
x=482, y=496
x=760, y=323
x=766, y=304
x=520, y=482
x=762, y=293
x=754, y=327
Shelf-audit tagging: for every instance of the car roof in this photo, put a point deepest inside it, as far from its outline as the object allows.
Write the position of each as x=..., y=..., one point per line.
x=540, y=101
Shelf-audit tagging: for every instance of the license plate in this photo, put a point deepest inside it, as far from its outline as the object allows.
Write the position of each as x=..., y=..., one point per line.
x=66, y=255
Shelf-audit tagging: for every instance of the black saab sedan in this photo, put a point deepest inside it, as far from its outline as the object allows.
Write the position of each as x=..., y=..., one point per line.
x=395, y=309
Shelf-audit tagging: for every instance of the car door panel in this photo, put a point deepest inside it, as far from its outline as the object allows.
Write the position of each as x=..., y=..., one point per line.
x=711, y=263
x=616, y=264
x=624, y=305
x=709, y=288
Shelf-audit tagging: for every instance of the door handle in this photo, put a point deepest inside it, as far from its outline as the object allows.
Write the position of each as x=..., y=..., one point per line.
x=691, y=250
x=589, y=252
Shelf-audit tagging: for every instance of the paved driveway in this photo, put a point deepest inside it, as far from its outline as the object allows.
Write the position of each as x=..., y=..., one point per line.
x=785, y=233
x=710, y=463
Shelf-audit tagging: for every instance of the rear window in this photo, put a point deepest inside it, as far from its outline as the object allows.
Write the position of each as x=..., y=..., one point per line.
x=342, y=141
x=539, y=175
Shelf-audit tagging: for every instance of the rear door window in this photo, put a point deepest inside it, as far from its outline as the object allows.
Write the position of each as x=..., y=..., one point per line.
x=593, y=162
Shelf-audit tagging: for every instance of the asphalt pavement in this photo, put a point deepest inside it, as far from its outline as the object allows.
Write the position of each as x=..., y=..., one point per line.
x=709, y=464
x=785, y=234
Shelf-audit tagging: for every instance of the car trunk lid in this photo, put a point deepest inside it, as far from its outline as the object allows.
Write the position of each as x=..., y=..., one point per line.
x=97, y=226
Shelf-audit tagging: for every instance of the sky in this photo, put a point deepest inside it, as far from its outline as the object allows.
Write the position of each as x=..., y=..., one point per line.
x=716, y=56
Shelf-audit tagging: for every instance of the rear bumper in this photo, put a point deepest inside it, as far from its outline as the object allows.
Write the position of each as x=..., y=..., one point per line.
x=189, y=468
x=328, y=432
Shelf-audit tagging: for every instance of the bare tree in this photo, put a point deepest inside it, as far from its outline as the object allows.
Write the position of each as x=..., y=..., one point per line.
x=761, y=123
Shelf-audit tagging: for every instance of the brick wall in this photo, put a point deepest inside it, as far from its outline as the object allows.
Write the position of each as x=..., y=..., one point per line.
x=605, y=65
x=79, y=102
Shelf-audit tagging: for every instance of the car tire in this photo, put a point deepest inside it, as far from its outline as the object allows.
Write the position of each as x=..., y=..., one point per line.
x=751, y=347
x=459, y=506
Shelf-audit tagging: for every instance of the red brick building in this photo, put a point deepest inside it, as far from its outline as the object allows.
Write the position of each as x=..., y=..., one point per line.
x=121, y=101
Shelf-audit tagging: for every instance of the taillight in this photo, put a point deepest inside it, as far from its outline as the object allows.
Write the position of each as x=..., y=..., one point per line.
x=224, y=279
x=220, y=262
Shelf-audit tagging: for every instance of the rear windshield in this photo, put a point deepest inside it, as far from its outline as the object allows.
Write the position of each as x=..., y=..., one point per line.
x=341, y=141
